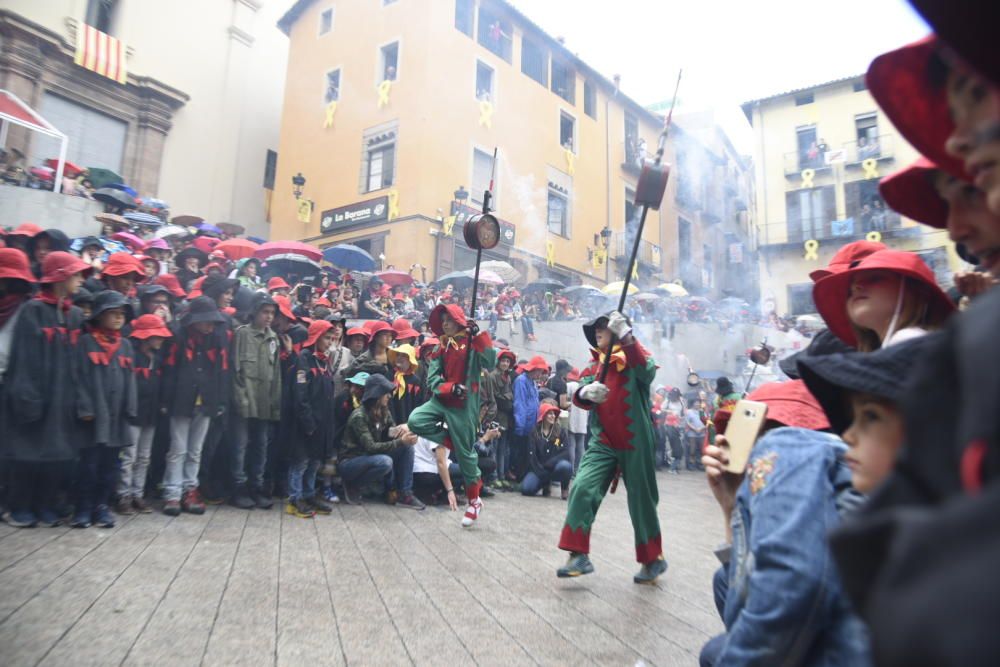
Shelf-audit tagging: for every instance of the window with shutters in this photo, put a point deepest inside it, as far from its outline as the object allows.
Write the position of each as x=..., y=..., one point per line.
x=809, y=213
x=270, y=168
x=496, y=34
x=564, y=81
x=534, y=61
x=378, y=158
x=590, y=99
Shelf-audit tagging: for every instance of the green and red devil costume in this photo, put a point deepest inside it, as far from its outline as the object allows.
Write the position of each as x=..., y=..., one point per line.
x=621, y=439
x=451, y=364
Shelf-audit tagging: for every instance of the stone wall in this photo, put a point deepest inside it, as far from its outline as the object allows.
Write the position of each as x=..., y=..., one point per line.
x=73, y=215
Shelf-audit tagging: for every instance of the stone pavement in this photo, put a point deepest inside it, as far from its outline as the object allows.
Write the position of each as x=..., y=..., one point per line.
x=371, y=585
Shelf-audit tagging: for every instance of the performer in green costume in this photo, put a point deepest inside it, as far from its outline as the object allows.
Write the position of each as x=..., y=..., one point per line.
x=453, y=380
x=622, y=441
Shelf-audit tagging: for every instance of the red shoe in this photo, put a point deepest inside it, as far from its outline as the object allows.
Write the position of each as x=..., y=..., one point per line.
x=472, y=512
x=192, y=503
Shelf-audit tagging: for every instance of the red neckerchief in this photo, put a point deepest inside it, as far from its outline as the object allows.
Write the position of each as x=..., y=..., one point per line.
x=322, y=356
x=49, y=298
x=109, y=340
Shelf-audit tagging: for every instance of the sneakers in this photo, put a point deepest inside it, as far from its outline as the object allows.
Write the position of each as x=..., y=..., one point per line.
x=21, y=518
x=532, y=337
x=103, y=518
x=172, y=508
x=319, y=505
x=577, y=565
x=472, y=512
x=81, y=519
x=124, y=506
x=261, y=499
x=411, y=502
x=50, y=518
x=391, y=497
x=330, y=496
x=140, y=505
x=192, y=503
x=300, y=508
x=650, y=571
x=241, y=498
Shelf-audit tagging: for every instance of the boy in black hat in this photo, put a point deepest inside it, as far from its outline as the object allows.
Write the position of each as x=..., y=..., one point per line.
x=197, y=382
x=257, y=399
x=106, y=400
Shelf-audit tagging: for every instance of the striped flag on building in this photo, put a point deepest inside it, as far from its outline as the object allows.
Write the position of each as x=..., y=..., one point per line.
x=100, y=53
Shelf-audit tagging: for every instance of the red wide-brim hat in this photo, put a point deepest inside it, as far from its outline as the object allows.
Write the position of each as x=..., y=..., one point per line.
x=846, y=257
x=316, y=329
x=898, y=80
x=830, y=294
x=969, y=27
x=453, y=310
x=911, y=192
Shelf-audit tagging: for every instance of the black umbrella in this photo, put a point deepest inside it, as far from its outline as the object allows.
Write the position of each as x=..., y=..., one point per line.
x=456, y=278
x=582, y=291
x=543, y=285
x=116, y=198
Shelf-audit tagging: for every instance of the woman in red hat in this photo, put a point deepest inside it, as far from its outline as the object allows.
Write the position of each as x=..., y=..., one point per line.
x=121, y=273
x=376, y=358
x=42, y=435
x=356, y=341
x=888, y=297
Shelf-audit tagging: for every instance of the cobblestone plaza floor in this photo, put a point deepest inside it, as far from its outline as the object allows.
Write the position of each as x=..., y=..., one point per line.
x=371, y=585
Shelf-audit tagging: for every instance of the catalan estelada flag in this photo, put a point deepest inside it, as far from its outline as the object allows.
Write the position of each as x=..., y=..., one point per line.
x=100, y=53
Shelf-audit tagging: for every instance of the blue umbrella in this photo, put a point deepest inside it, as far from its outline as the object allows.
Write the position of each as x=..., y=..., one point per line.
x=206, y=228
x=110, y=247
x=124, y=188
x=153, y=202
x=256, y=239
x=349, y=257
x=140, y=218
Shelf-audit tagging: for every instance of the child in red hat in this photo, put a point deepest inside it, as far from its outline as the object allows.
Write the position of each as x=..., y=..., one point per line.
x=42, y=433
x=149, y=332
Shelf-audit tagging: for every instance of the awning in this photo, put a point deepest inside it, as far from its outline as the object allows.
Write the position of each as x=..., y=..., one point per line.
x=14, y=111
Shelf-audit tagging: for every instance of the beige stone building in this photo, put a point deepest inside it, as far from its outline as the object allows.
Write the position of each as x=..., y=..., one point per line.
x=821, y=152
x=195, y=118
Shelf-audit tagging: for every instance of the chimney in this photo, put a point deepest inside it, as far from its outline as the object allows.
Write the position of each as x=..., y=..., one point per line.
x=617, y=78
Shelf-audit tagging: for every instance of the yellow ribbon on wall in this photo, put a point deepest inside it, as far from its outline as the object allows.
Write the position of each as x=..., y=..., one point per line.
x=635, y=271
x=383, y=93
x=331, y=109
x=486, y=114
x=807, y=177
x=449, y=224
x=550, y=253
x=393, y=204
x=811, y=247
x=598, y=258
x=875, y=236
x=304, y=209
x=570, y=158
x=871, y=167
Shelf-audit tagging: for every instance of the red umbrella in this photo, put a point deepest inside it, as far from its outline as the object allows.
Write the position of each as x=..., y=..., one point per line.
x=395, y=278
x=129, y=239
x=42, y=173
x=69, y=169
x=285, y=247
x=236, y=249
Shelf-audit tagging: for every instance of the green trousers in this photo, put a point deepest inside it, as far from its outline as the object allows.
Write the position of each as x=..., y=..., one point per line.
x=426, y=420
x=597, y=470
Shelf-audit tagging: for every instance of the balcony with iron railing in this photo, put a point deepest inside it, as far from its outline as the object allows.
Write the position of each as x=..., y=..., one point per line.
x=620, y=249
x=856, y=152
x=851, y=153
x=851, y=228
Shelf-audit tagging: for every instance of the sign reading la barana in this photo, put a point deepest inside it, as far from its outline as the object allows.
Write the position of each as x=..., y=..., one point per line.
x=371, y=210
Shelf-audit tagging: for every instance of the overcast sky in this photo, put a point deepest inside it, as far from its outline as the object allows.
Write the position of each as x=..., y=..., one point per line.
x=731, y=50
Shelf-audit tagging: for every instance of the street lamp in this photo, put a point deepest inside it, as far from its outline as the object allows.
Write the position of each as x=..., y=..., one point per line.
x=461, y=195
x=298, y=180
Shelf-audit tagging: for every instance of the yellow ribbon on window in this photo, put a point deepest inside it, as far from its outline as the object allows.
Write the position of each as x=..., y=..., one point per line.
x=393, y=204
x=331, y=109
x=598, y=258
x=875, y=236
x=486, y=114
x=383, y=93
x=449, y=224
x=570, y=158
x=304, y=209
x=871, y=167
x=811, y=247
x=807, y=177
x=550, y=253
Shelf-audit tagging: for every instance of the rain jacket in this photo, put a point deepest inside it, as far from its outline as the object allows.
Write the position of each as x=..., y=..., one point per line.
x=257, y=373
x=106, y=392
x=362, y=438
x=785, y=604
x=525, y=404
x=313, y=392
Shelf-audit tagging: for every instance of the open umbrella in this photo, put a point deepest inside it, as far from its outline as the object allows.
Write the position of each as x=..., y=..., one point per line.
x=187, y=220
x=616, y=288
x=154, y=204
x=208, y=229
x=455, y=278
x=671, y=289
x=140, y=218
x=290, y=263
x=236, y=249
x=543, y=285
x=231, y=228
x=131, y=240
x=111, y=219
x=109, y=246
x=69, y=169
x=169, y=231
x=700, y=300
x=100, y=177
x=114, y=197
x=486, y=276
x=349, y=257
x=124, y=188
x=42, y=173
x=271, y=248
x=502, y=269
x=395, y=278
x=582, y=291
x=647, y=296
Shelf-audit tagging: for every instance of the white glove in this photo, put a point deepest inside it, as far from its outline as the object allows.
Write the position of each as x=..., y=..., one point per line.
x=618, y=325
x=595, y=392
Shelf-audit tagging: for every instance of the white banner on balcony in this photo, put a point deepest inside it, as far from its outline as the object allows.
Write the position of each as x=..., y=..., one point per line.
x=838, y=156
